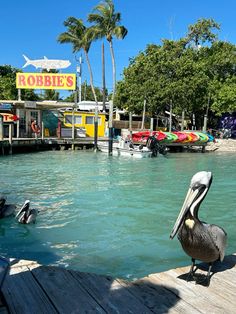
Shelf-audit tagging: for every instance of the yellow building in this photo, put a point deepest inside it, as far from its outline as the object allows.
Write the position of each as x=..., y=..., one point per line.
x=85, y=120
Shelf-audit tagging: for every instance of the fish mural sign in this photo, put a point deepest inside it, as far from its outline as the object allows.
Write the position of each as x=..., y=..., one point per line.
x=46, y=81
x=48, y=64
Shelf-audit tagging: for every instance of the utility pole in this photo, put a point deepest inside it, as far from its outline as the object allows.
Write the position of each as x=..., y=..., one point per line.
x=170, y=124
x=144, y=113
x=103, y=80
x=79, y=71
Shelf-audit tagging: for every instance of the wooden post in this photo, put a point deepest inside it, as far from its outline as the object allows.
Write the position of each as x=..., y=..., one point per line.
x=1, y=127
x=42, y=130
x=130, y=124
x=18, y=123
x=19, y=94
x=96, y=128
x=151, y=126
x=182, y=121
x=73, y=130
x=110, y=126
x=170, y=119
x=10, y=137
x=144, y=112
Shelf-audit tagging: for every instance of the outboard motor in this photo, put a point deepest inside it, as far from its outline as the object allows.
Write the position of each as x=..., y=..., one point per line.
x=155, y=147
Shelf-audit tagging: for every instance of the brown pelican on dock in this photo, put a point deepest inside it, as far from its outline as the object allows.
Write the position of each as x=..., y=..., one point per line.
x=201, y=241
x=26, y=214
x=6, y=209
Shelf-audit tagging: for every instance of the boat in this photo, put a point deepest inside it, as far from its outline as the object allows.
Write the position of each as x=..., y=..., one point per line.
x=125, y=147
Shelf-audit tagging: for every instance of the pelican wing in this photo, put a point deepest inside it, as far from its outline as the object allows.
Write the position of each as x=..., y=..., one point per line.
x=219, y=237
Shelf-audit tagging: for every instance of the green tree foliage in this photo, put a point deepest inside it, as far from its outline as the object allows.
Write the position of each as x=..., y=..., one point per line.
x=80, y=37
x=107, y=24
x=87, y=93
x=194, y=80
x=8, y=90
x=202, y=32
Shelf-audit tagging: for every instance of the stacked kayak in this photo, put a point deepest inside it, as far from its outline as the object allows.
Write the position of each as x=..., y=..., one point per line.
x=181, y=137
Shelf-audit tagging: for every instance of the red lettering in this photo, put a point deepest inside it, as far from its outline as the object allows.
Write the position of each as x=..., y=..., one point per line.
x=31, y=80
x=39, y=80
x=47, y=80
x=69, y=81
x=60, y=81
x=21, y=80
x=54, y=77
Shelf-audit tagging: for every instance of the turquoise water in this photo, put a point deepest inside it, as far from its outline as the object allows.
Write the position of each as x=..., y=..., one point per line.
x=110, y=215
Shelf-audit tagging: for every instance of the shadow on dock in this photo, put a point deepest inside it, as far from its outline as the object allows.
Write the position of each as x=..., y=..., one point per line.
x=33, y=288
x=228, y=263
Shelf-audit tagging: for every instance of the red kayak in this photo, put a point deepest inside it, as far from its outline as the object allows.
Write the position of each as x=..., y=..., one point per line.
x=141, y=137
x=181, y=136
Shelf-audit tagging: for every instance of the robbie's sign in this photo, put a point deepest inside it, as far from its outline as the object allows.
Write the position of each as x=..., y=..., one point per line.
x=45, y=81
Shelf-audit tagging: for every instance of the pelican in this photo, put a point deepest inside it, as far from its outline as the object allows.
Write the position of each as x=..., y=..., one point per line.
x=201, y=241
x=6, y=209
x=26, y=214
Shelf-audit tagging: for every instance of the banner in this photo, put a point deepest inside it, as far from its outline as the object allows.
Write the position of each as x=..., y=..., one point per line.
x=46, y=81
x=8, y=117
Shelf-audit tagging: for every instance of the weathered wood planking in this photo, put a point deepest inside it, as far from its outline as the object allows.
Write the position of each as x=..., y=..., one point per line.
x=64, y=291
x=157, y=298
x=32, y=288
x=23, y=293
x=110, y=294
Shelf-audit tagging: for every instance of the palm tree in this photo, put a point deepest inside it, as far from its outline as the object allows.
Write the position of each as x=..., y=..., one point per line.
x=107, y=22
x=80, y=37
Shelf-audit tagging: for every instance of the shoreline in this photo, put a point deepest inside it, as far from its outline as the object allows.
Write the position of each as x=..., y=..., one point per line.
x=222, y=145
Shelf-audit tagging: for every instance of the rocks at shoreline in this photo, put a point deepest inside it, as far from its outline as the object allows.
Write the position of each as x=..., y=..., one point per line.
x=222, y=145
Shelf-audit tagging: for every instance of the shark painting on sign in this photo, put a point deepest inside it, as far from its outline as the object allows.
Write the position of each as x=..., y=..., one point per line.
x=48, y=64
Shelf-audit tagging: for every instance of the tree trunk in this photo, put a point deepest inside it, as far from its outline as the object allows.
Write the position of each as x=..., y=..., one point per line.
x=113, y=96
x=95, y=98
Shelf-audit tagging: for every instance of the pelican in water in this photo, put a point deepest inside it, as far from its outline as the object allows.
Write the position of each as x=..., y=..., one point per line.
x=26, y=214
x=6, y=209
x=201, y=241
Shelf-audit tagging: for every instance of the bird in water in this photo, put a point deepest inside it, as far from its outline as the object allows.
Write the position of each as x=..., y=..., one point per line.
x=6, y=209
x=200, y=240
x=26, y=214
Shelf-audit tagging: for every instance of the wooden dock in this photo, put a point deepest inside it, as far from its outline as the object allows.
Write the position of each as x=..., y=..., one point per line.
x=25, y=145
x=33, y=288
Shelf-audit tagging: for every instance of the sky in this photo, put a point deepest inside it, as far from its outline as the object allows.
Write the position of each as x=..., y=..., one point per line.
x=31, y=27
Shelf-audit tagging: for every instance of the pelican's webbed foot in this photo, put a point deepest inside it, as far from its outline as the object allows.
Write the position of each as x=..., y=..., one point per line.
x=205, y=280
x=190, y=275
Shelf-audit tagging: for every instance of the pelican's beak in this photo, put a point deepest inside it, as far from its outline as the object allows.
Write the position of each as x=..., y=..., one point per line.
x=24, y=208
x=189, y=199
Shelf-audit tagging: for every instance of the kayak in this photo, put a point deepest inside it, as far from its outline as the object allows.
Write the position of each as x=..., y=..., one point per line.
x=181, y=136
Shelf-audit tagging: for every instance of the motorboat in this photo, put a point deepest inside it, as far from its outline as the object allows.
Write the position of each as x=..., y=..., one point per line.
x=125, y=147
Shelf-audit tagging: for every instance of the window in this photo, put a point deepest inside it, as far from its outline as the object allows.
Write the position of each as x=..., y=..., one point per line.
x=89, y=120
x=78, y=119
x=69, y=119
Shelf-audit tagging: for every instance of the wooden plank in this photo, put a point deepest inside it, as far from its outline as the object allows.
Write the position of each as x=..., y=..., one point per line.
x=64, y=291
x=110, y=294
x=23, y=294
x=157, y=298
x=217, y=283
x=201, y=297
